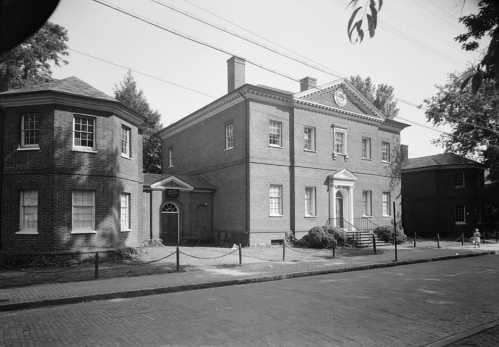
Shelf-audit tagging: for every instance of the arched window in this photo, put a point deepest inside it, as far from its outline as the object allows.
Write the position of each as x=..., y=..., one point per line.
x=339, y=195
x=169, y=207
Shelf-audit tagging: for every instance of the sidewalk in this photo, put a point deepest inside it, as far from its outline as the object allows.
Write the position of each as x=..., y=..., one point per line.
x=207, y=276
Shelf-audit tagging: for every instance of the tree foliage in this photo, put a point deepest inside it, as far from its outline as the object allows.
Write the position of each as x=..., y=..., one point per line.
x=128, y=93
x=484, y=23
x=474, y=118
x=381, y=95
x=365, y=13
x=30, y=62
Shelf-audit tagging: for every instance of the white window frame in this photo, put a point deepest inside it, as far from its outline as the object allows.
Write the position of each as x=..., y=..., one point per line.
x=461, y=174
x=313, y=202
x=368, y=155
x=127, y=197
x=383, y=143
x=24, y=230
x=90, y=230
x=389, y=203
x=275, y=124
x=30, y=146
x=345, y=149
x=460, y=222
x=84, y=148
x=229, y=136
x=127, y=141
x=312, y=139
x=170, y=157
x=367, y=203
x=276, y=198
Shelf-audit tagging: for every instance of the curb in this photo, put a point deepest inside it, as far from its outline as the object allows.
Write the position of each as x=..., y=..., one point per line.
x=461, y=336
x=205, y=285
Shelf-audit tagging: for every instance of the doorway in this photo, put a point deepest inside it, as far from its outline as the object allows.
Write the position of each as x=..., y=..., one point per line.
x=170, y=224
x=339, y=210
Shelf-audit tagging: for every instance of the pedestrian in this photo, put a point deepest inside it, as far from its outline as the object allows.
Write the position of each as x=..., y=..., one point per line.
x=476, y=238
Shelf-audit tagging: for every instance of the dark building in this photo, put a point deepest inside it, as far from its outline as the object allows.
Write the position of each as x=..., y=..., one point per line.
x=442, y=193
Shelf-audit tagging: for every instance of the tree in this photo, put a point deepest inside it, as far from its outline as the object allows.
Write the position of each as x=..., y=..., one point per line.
x=381, y=95
x=30, y=62
x=128, y=93
x=484, y=23
x=365, y=11
x=474, y=118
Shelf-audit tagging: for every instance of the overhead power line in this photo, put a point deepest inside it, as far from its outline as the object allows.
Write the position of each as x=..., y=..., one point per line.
x=157, y=78
x=191, y=38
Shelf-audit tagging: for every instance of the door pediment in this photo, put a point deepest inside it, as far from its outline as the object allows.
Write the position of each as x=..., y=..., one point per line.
x=172, y=182
x=343, y=175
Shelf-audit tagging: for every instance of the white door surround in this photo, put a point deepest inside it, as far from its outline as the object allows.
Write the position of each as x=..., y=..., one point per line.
x=343, y=182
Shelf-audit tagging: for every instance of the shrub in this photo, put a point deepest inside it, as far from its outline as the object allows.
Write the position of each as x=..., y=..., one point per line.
x=337, y=234
x=319, y=237
x=385, y=233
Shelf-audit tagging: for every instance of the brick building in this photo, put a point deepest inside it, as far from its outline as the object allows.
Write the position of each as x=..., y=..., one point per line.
x=284, y=162
x=71, y=169
x=443, y=193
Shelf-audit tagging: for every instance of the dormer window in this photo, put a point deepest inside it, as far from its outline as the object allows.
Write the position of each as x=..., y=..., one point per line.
x=30, y=131
x=83, y=133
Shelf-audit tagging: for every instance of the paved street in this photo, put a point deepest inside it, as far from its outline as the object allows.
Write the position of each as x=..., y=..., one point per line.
x=401, y=306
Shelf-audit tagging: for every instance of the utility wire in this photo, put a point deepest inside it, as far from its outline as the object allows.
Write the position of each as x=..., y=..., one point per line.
x=190, y=38
x=141, y=73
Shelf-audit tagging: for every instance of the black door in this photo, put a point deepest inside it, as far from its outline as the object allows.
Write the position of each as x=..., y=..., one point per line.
x=169, y=224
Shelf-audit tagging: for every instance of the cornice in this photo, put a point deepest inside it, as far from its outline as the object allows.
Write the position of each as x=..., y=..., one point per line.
x=57, y=98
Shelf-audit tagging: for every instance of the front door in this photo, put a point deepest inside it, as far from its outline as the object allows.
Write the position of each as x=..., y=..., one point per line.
x=170, y=216
x=339, y=210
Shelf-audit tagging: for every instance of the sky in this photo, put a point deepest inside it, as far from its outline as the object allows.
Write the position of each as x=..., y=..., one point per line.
x=413, y=50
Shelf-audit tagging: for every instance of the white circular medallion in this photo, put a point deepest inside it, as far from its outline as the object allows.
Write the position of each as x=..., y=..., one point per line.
x=340, y=97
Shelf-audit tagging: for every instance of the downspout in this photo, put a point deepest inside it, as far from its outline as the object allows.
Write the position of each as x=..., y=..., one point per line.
x=150, y=215
x=247, y=169
x=2, y=156
x=292, y=197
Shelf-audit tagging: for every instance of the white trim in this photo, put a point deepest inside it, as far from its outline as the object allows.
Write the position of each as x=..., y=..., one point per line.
x=313, y=201
x=83, y=231
x=160, y=185
x=30, y=148
x=345, y=141
x=227, y=126
x=390, y=212
x=313, y=139
x=464, y=215
x=281, y=200
x=22, y=228
x=94, y=140
x=128, y=131
x=27, y=232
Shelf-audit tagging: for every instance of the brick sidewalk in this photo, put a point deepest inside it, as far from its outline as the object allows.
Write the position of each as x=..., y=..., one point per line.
x=212, y=276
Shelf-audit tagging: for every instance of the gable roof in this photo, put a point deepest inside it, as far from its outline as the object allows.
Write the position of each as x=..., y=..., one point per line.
x=444, y=160
x=71, y=85
x=196, y=182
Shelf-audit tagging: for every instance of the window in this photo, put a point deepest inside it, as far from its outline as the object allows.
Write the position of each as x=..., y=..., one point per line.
x=367, y=202
x=385, y=151
x=309, y=139
x=126, y=145
x=386, y=201
x=125, y=211
x=83, y=211
x=340, y=143
x=310, y=210
x=30, y=130
x=275, y=134
x=366, y=148
x=459, y=179
x=28, y=223
x=275, y=200
x=461, y=214
x=83, y=132
x=170, y=157
x=229, y=136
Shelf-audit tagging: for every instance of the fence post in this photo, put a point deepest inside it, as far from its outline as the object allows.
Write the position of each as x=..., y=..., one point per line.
x=415, y=235
x=497, y=236
x=462, y=239
x=438, y=240
x=395, y=230
x=178, y=259
x=284, y=248
x=374, y=244
x=240, y=255
x=96, y=265
x=334, y=250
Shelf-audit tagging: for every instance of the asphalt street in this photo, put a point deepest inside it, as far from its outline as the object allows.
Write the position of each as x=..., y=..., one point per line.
x=410, y=305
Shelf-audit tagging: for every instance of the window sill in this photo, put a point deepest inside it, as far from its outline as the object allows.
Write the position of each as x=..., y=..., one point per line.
x=387, y=215
x=386, y=162
x=367, y=159
x=83, y=149
x=229, y=149
x=460, y=223
x=309, y=150
x=125, y=230
x=34, y=148
x=274, y=216
x=458, y=187
x=126, y=157
x=77, y=232
x=341, y=154
x=276, y=146
x=366, y=216
x=310, y=217
x=27, y=232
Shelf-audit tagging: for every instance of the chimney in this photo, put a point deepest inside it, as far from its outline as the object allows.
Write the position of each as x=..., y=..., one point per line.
x=307, y=83
x=404, y=153
x=235, y=73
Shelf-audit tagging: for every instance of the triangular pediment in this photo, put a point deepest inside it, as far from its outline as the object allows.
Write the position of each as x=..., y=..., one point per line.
x=344, y=175
x=172, y=182
x=341, y=95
